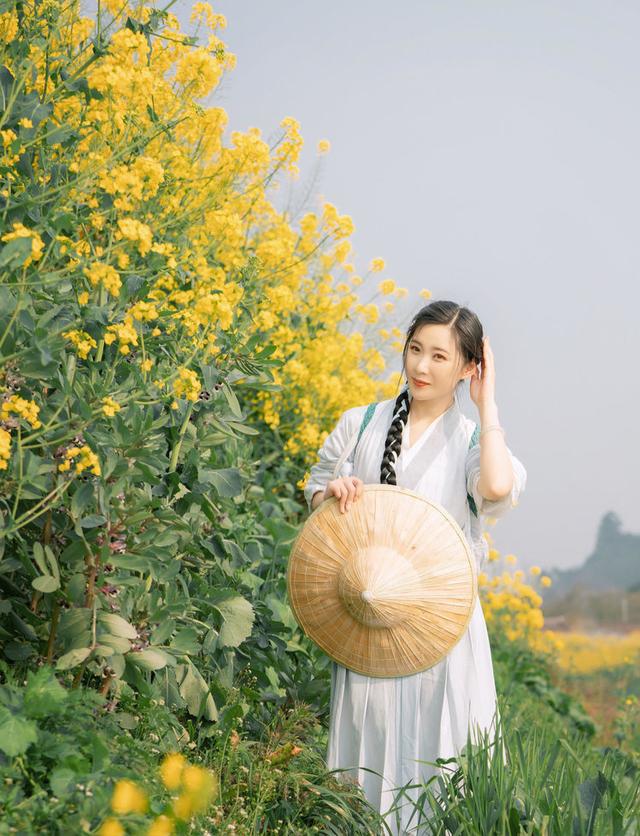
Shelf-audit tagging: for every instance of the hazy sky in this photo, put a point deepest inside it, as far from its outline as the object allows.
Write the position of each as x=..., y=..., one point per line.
x=488, y=152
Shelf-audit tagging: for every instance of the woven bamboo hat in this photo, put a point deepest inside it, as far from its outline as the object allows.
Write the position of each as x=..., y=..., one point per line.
x=386, y=589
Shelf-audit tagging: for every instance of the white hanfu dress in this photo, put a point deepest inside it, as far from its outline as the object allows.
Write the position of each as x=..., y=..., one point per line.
x=389, y=725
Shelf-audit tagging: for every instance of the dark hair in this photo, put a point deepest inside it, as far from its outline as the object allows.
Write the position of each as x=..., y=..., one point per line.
x=467, y=333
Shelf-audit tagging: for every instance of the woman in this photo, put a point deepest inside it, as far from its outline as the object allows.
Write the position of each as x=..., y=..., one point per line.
x=422, y=441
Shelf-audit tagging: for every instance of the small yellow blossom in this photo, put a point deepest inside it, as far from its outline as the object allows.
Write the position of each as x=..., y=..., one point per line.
x=28, y=410
x=82, y=341
x=545, y=580
x=162, y=826
x=425, y=294
x=146, y=365
x=535, y=570
x=5, y=448
x=110, y=407
x=323, y=146
x=377, y=265
x=187, y=385
x=171, y=770
x=83, y=298
x=105, y=275
x=387, y=287
x=128, y=798
x=111, y=827
x=86, y=460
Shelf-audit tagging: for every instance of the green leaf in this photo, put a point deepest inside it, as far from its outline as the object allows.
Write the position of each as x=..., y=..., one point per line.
x=45, y=583
x=230, y=395
x=148, y=660
x=53, y=563
x=81, y=498
x=117, y=626
x=38, y=556
x=15, y=252
x=16, y=733
x=62, y=781
x=227, y=481
x=238, y=617
x=44, y=694
x=73, y=658
x=195, y=692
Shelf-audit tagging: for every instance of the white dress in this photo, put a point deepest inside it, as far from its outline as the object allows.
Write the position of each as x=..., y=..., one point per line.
x=389, y=725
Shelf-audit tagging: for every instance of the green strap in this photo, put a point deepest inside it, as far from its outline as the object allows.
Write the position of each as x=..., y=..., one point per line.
x=368, y=415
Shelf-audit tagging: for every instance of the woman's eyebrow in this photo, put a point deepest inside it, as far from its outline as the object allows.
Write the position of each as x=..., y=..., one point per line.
x=435, y=347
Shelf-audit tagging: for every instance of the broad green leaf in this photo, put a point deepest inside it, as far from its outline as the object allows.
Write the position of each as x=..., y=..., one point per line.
x=43, y=694
x=117, y=626
x=230, y=395
x=16, y=733
x=73, y=658
x=148, y=660
x=38, y=556
x=227, y=481
x=116, y=643
x=238, y=617
x=45, y=583
x=63, y=781
x=195, y=692
x=52, y=561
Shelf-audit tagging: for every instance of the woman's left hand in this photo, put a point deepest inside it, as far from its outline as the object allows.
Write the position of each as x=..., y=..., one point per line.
x=483, y=388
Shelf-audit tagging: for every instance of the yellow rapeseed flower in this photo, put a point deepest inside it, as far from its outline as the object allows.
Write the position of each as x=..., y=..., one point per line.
x=425, y=294
x=323, y=146
x=111, y=827
x=128, y=798
x=28, y=410
x=162, y=826
x=82, y=341
x=110, y=407
x=171, y=770
x=187, y=385
x=545, y=580
x=535, y=570
x=5, y=448
x=377, y=265
x=387, y=287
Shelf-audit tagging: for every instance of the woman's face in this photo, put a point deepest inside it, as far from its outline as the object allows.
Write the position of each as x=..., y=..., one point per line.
x=432, y=357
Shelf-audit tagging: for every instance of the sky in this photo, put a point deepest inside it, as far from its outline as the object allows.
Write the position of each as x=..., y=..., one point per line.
x=489, y=153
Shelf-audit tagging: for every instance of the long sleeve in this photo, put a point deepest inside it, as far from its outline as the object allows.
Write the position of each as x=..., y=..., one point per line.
x=334, y=444
x=499, y=507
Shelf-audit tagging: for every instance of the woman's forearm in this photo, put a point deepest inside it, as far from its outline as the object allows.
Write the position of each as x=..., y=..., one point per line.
x=316, y=499
x=496, y=470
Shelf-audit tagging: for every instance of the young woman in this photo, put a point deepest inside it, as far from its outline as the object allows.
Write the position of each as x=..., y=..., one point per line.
x=421, y=441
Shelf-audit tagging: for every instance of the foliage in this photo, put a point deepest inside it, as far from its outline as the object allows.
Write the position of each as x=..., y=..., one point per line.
x=157, y=315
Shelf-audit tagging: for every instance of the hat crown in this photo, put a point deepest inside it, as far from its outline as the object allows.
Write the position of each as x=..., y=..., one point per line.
x=374, y=585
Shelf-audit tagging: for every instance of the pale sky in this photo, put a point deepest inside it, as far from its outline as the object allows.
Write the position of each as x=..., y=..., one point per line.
x=488, y=152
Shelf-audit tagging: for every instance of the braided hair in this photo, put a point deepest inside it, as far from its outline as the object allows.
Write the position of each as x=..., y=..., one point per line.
x=468, y=335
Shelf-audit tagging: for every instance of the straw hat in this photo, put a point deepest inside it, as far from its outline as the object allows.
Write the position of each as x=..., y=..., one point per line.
x=386, y=589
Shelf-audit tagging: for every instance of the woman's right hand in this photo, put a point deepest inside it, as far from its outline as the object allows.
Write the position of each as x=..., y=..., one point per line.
x=347, y=489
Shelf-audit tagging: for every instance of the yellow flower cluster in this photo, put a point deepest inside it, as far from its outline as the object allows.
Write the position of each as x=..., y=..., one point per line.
x=512, y=607
x=82, y=341
x=198, y=787
x=105, y=275
x=187, y=385
x=110, y=406
x=5, y=448
x=125, y=332
x=580, y=653
x=83, y=458
x=21, y=231
x=28, y=410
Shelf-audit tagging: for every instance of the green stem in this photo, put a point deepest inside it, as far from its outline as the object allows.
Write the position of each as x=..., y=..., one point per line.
x=183, y=429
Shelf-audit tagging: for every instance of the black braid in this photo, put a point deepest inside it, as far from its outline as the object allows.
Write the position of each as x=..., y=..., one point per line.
x=394, y=439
